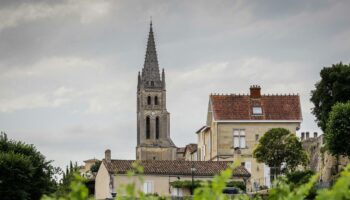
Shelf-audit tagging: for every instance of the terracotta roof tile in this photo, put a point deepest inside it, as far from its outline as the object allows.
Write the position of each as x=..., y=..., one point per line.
x=175, y=167
x=239, y=107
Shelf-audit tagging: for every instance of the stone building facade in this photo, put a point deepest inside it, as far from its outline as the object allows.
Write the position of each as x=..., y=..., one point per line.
x=153, y=119
x=157, y=176
x=321, y=161
x=236, y=122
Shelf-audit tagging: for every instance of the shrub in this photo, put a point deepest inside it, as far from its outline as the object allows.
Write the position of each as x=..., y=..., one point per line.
x=185, y=184
x=298, y=178
x=237, y=184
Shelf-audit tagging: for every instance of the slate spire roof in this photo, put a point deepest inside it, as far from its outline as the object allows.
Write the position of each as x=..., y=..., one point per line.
x=150, y=70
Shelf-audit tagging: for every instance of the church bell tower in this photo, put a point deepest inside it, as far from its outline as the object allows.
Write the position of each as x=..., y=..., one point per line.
x=153, y=119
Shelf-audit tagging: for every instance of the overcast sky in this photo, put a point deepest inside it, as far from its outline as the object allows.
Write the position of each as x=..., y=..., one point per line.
x=68, y=68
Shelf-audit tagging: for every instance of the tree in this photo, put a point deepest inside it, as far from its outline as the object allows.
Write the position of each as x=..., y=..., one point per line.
x=279, y=146
x=94, y=168
x=24, y=172
x=334, y=87
x=337, y=135
x=67, y=178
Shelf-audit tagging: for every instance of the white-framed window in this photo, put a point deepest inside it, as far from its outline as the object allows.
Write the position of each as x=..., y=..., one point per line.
x=257, y=110
x=239, y=138
x=267, y=175
x=177, y=192
x=148, y=187
x=248, y=166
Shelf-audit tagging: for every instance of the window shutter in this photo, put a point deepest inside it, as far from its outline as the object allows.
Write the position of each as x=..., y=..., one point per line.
x=242, y=142
x=248, y=166
x=235, y=141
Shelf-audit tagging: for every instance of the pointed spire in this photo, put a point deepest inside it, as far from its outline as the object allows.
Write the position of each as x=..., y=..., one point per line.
x=150, y=71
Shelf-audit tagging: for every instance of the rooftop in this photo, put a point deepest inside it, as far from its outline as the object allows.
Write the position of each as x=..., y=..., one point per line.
x=175, y=167
x=255, y=106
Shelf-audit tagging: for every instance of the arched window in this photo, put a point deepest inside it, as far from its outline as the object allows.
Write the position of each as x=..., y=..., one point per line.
x=149, y=100
x=148, y=128
x=157, y=127
x=156, y=100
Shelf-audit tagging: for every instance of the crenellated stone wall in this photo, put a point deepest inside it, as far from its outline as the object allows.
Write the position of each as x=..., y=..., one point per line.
x=321, y=161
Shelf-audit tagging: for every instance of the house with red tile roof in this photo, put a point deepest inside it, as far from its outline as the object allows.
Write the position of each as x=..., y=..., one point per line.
x=235, y=122
x=157, y=175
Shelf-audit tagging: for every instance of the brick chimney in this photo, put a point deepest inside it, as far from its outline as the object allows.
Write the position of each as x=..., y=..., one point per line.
x=108, y=155
x=255, y=91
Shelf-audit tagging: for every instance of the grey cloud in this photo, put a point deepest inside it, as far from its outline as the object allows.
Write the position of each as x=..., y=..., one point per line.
x=68, y=79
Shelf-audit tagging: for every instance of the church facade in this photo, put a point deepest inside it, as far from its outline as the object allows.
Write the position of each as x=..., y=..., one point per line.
x=153, y=119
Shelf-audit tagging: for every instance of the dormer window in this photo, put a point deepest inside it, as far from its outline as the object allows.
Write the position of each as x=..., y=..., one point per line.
x=257, y=110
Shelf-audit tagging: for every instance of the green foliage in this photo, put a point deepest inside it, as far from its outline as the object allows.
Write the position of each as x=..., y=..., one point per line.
x=214, y=190
x=24, y=172
x=68, y=177
x=281, y=190
x=236, y=184
x=94, y=168
x=337, y=135
x=340, y=190
x=279, y=146
x=13, y=168
x=197, y=183
x=77, y=191
x=334, y=87
x=185, y=184
x=297, y=178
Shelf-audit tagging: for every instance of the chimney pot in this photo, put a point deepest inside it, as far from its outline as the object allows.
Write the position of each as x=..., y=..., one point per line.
x=255, y=91
x=108, y=155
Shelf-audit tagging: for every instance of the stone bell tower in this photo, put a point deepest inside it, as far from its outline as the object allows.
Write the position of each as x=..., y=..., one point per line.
x=153, y=119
